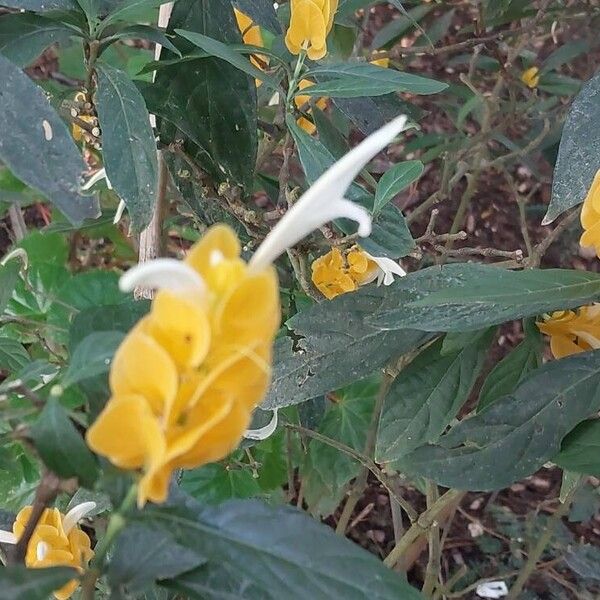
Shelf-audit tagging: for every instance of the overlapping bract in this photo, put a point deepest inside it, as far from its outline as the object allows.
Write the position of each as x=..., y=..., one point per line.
x=310, y=22
x=187, y=377
x=301, y=99
x=590, y=217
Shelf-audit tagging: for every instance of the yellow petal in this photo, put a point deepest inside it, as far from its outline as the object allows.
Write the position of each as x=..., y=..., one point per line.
x=127, y=433
x=562, y=346
x=219, y=241
x=154, y=486
x=181, y=327
x=142, y=367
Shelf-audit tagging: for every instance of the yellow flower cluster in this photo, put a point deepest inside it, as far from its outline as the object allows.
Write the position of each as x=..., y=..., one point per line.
x=301, y=100
x=572, y=331
x=78, y=132
x=590, y=217
x=337, y=273
x=52, y=546
x=310, y=22
x=252, y=36
x=531, y=77
x=187, y=377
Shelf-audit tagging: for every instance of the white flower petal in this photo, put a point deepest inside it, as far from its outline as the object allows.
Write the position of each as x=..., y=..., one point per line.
x=76, y=514
x=324, y=200
x=492, y=589
x=95, y=178
x=7, y=537
x=119, y=213
x=163, y=273
x=387, y=269
x=263, y=433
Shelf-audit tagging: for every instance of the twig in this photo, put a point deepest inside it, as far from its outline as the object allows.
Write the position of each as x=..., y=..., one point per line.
x=45, y=494
x=539, y=250
x=538, y=549
x=516, y=255
x=435, y=550
x=17, y=222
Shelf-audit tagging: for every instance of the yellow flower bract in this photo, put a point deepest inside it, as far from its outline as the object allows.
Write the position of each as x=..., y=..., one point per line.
x=301, y=99
x=573, y=331
x=337, y=273
x=252, y=36
x=590, y=217
x=310, y=22
x=50, y=546
x=187, y=377
x=531, y=77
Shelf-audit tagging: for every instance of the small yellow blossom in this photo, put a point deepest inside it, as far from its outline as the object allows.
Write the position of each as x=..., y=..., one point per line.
x=572, y=331
x=310, y=22
x=186, y=379
x=590, y=217
x=78, y=132
x=301, y=100
x=252, y=36
x=531, y=77
x=56, y=541
x=380, y=62
x=337, y=273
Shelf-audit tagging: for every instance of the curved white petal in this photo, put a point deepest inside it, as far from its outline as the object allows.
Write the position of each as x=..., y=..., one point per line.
x=95, y=178
x=76, y=514
x=119, y=212
x=387, y=269
x=163, y=273
x=262, y=433
x=324, y=200
x=7, y=537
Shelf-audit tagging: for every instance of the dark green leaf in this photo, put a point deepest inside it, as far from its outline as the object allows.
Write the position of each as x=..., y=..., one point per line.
x=564, y=54
x=224, y=52
x=128, y=145
x=33, y=584
x=128, y=10
x=143, y=555
x=332, y=345
x=579, y=152
x=427, y=396
x=469, y=296
x=584, y=560
x=394, y=180
x=41, y=5
x=352, y=80
x=24, y=36
x=279, y=550
x=517, y=434
x=438, y=29
x=61, y=447
x=580, y=450
x=393, y=29
x=196, y=96
x=92, y=356
x=213, y=484
x=13, y=355
x=33, y=375
x=261, y=12
x=37, y=146
x=509, y=372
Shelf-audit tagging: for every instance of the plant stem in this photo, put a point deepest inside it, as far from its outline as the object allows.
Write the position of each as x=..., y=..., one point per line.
x=421, y=526
x=90, y=63
x=295, y=76
x=540, y=546
x=435, y=550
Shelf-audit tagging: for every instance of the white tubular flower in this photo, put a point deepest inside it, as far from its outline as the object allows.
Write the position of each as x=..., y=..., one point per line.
x=163, y=273
x=324, y=201
x=387, y=268
x=262, y=433
x=95, y=178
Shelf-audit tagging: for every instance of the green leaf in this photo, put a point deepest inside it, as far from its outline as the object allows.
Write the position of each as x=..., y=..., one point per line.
x=128, y=145
x=469, y=296
x=564, y=54
x=394, y=180
x=390, y=235
x=41, y=5
x=580, y=450
x=9, y=275
x=327, y=470
x=517, y=434
x=213, y=484
x=33, y=584
x=278, y=550
x=92, y=356
x=427, y=396
x=579, y=152
x=196, y=96
x=45, y=247
x=584, y=559
x=37, y=146
x=224, y=52
x=144, y=32
x=24, y=36
x=510, y=371
x=438, y=30
x=127, y=10
x=13, y=355
x=392, y=30
x=353, y=80
x=331, y=345
x=143, y=555
x=61, y=447
x=261, y=12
